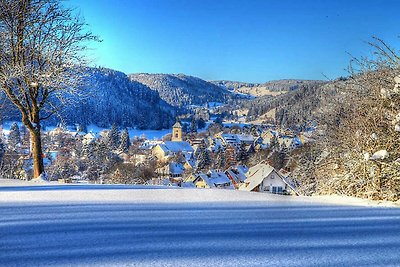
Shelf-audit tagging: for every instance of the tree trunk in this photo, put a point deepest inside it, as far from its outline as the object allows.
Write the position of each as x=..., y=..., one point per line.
x=37, y=153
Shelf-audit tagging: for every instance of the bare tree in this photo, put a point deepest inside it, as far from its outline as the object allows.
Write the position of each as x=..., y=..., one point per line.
x=357, y=148
x=41, y=57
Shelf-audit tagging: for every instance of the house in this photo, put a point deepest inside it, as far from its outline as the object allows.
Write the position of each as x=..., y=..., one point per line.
x=150, y=144
x=172, y=148
x=190, y=164
x=88, y=138
x=198, y=142
x=237, y=175
x=247, y=139
x=56, y=131
x=172, y=170
x=264, y=178
x=212, y=179
x=259, y=144
x=289, y=142
x=230, y=139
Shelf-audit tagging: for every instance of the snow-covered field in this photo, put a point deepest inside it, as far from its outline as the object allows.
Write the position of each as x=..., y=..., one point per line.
x=89, y=225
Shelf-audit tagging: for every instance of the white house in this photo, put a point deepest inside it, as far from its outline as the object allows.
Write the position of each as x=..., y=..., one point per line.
x=264, y=178
x=88, y=138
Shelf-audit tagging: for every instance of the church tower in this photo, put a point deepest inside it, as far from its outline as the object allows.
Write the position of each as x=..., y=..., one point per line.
x=176, y=132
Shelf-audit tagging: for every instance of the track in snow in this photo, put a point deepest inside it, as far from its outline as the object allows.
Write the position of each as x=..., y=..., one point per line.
x=159, y=232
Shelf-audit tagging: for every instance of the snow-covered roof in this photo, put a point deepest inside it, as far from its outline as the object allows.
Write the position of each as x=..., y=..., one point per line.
x=149, y=144
x=242, y=168
x=177, y=125
x=256, y=175
x=215, y=179
x=176, y=168
x=89, y=136
x=247, y=138
x=230, y=138
x=177, y=146
x=191, y=162
x=238, y=173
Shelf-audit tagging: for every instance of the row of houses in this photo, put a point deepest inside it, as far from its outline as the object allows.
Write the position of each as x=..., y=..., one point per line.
x=259, y=178
x=164, y=150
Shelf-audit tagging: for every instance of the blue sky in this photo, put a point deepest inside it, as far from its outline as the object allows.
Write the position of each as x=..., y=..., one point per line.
x=242, y=40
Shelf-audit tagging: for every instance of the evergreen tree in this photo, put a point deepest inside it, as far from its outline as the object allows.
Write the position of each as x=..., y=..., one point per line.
x=125, y=142
x=203, y=157
x=14, y=138
x=185, y=128
x=193, y=126
x=101, y=151
x=201, y=123
x=2, y=149
x=113, y=137
x=242, y=154
x=273, y=143
x=283, y=153
x=88, y=150
x=220, y=160
x=230, y=156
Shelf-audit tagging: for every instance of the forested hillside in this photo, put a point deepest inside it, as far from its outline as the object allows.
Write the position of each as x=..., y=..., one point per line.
x=108, y=97
x=182, y=90
x=293, y=109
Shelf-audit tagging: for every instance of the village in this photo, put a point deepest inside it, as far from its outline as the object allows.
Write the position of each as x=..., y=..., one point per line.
x=228, y=155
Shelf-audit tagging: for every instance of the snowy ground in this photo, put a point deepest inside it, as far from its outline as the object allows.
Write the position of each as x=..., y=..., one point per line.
x=89, y=225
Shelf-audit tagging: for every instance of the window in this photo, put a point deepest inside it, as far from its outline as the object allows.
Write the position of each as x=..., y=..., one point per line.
x=277, y=190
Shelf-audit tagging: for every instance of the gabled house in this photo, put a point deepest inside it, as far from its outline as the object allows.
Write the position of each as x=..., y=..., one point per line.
x=212, y=179
x=264, y=178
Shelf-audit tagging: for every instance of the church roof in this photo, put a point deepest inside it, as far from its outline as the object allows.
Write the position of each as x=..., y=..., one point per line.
x=177, y=146
x=177, y=125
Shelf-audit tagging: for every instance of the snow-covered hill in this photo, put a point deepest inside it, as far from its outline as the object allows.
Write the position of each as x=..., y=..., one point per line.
x=133, y=226
x=270, y=88
x=108, y=97
x=182, y=90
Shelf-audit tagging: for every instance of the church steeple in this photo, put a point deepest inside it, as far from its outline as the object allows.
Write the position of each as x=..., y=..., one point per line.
x=177, y=132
